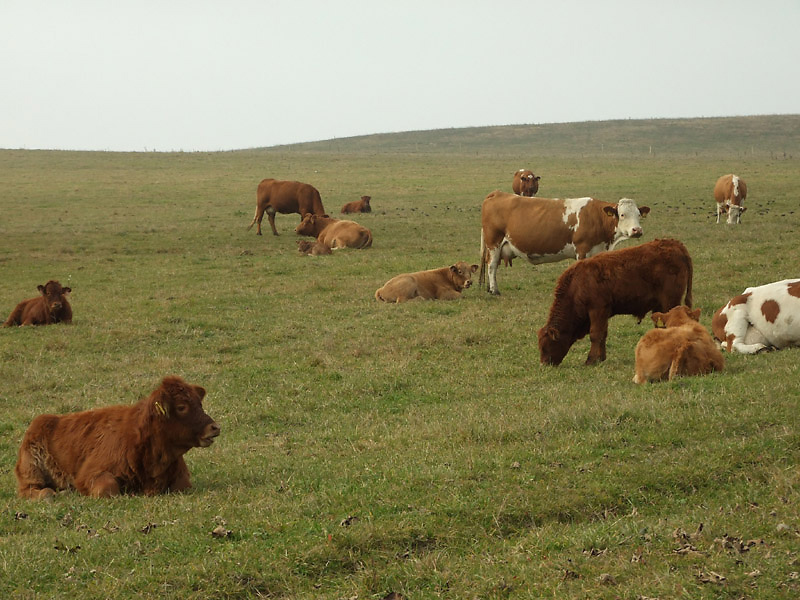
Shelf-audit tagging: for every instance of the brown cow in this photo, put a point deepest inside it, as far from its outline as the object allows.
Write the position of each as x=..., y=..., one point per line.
x=679, y=346
x=335, y=233
x=631, y=281
x=358, y=206
x=51, y=307
x=548, y=230
x=275, y=196
x=446, y=283
x=118, y=449
x=730, y=192
x=312, y=248
x=525, y=183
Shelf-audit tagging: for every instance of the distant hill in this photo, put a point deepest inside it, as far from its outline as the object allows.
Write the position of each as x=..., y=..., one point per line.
x=776, y=135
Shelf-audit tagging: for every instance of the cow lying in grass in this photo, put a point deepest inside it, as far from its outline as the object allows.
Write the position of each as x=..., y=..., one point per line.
x=312, y=248
x=358, y=206
x=678, y=346
x=51, y=307
x=446, y=283
x=335, y=233
x=119, y=449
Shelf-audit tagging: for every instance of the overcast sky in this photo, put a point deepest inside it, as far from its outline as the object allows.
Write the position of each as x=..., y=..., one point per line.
x=230, y=74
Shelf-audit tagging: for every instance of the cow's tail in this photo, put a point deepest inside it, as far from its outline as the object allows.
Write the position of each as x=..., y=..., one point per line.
x=688, y=300
x=482, y=275
x=255, y=218
x=368, y=240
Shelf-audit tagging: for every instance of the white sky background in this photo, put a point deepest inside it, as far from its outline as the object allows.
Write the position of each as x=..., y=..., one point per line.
x=219, y=75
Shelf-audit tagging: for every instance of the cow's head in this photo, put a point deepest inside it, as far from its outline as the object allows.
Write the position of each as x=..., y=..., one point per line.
x=553, y=345
x=627, y=215
x=307, y=225
x=735, y=214
x=179, y=406
x=53, y=294
x=461, y=274
x=718, y=323
x=365, y=207
x=675, y=317
x=528, y=182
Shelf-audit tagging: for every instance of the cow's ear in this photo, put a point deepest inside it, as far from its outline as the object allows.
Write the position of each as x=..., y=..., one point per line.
x=611, y=211
x=658, y=319
x=644, y=211
x=695, y=314
x=201, y=391
x=66, y=290
x=744, y=208
x=473, y=268
x=538, y=177
x=552, y=333
x=454, y=268
x=40, y=288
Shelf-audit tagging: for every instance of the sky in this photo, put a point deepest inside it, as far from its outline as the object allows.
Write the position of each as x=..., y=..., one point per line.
x=201, y=75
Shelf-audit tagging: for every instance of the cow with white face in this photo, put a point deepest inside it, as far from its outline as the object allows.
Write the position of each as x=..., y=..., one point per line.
x=545, y=230
x=760, y=318
x=730, y=192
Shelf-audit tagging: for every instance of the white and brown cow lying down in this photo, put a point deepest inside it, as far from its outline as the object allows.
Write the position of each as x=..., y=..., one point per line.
x=545, y=230
x=50, y=307
x=525, y=183
x=335, y=233
x=118, y=449
x=631, y=281
x=446, y=283
x=678, y=346
x=760, y=318
x=730, y=192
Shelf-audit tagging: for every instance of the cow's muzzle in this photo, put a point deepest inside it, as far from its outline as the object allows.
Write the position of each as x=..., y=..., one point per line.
x=209, y=433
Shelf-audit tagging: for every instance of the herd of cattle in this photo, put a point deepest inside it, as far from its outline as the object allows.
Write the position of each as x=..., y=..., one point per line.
x=139, y=449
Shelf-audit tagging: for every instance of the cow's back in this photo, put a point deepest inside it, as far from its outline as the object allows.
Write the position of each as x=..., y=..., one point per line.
x=290, y=196
x=532, y=224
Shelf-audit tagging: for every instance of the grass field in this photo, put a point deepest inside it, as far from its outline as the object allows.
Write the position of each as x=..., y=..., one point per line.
x=418, y=450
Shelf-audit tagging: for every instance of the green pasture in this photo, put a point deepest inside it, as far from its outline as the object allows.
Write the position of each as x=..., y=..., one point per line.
x=401, y=451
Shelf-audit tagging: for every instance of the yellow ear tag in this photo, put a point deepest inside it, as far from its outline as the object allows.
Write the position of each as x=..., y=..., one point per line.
x=661, y=324
x=161, y=409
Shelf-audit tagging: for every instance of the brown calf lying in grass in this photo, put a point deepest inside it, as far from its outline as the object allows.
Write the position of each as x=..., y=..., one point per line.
x=51, y=307
x=446, y=283
x=312, y=248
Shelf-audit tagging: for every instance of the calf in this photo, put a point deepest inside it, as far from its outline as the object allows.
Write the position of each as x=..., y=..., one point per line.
x=119, y=449
x=730, y=192
x=682, y=346
x=335, y=233
x=446, y=283
x=631, y=281
x=312, y=248
x=358, y=206
x=525, y=183
x=51, y=307
x=760, y=318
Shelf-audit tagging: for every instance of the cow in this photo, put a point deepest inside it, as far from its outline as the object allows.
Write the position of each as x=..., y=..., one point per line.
x=335, y=233
x=50, y=307
x=760, y=318
x=275, y=196
x=358, y=206
x=548, y=230
x=312, y=248
x=678, y=346
x=525, y=183
x=730, y=192
x=133, y=449
x=446, y=283
x=631, y=281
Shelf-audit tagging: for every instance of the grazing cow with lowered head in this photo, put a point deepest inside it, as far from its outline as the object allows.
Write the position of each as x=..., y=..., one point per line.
x=312, y=248
x=548, y=230
x=525, y=183
x=358, y=206
x=116, y=450
x=335, y=233
x=275, y=196
x=678, y=346
x=51, y=307
x=446, y=283
x=760, y=318
x=730, y=192
x=631, y=281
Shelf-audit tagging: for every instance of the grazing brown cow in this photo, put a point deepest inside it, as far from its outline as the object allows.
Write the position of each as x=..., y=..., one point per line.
x=446, y=283
x=275, y=196
x=548, y=230
x=730, y=192
x=678, y=346
x=631, y=281
x=118, y=449
x=525, y=183
x=335, y=233
x=51, y=307
x=358, y=206
x=312, y=248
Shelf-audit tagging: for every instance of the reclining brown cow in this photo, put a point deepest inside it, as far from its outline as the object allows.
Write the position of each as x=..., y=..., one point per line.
x=358, y=206
x=119, y=449
x=51, y=307
x=335, y=233
x=446, y=283
x=312, y=248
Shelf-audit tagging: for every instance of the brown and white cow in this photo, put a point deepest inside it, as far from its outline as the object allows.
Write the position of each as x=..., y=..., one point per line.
x=358, y=206
x=335, y=233
x=51, y=307
x=730, y=192
x=136, y=449
x=276, y=196
x=631, y=281
x=313, y=248
x=446, y=283
x=525, y=183
x=678, y=346
x=548, y=230
x=760, y=318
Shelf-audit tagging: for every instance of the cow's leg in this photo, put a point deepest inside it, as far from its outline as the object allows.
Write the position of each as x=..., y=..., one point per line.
x=598, y=332
x=719, y=211
x=271, y=216
x=494, y=262
x=103, y=485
